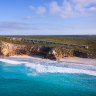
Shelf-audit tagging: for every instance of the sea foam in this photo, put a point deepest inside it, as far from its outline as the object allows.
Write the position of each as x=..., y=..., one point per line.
x=44, y=67
x=12, y=62
x=54, y=69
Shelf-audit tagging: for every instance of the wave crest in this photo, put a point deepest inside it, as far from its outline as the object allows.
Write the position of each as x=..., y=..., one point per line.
x=44, y=67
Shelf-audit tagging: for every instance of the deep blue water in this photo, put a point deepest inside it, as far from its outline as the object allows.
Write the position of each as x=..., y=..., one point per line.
x=23, y=80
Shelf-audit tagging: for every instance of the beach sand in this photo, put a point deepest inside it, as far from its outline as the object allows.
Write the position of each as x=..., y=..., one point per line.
x=79, y=60
x=75, y=60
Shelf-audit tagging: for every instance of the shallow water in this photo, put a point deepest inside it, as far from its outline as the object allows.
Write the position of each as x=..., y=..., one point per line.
x=46, y=78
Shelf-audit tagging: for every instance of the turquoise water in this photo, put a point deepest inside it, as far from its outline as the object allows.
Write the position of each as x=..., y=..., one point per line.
x=46, y=78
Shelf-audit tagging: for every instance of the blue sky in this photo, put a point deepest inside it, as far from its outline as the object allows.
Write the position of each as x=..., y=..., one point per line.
x=47, y=17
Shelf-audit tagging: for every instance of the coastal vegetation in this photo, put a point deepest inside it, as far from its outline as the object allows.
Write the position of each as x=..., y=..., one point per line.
x=89, y=41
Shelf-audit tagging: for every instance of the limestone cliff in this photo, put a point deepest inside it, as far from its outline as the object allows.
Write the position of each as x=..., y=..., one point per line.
x=60, y=52
x=9, y=49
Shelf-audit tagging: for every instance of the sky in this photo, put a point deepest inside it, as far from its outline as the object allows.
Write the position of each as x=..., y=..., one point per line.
x=47, y=17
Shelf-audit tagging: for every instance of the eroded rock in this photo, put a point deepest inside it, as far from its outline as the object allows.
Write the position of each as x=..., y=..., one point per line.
x=60, y=52
x=9, y=49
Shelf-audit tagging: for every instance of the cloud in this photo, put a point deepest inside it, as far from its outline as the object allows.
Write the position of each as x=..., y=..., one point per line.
x=70, y=8
x=84, y=2
x=67, y=8
x=6, y=25
x=92, y=9
x=28, y=18
x=83, y=6
x=54, y=7
x=64, y=10
x=40, y=10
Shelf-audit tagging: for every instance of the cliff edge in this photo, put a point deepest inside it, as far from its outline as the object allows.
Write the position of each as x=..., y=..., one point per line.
x=56, y=53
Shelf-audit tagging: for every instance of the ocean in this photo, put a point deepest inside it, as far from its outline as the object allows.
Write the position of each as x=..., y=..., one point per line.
x=25, y=77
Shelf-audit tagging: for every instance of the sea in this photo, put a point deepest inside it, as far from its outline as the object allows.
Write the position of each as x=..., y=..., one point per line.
x=42, y=77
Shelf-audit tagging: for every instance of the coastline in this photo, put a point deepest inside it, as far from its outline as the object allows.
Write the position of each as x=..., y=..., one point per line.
x=76, y=60
x=79, y=60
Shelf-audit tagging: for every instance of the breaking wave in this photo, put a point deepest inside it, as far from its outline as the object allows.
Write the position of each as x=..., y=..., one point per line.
x=49, y=66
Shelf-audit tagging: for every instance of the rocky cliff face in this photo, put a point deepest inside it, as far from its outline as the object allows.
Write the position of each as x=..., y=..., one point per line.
x=8, y=49
x=60, y=52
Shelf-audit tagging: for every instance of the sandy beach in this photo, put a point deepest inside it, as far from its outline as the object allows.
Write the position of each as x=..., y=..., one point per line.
x=80, y=60
x=76, y=60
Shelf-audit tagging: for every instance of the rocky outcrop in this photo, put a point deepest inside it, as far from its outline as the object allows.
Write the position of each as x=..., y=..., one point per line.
x=9, y=49
x=60, y=52
x=80, y=54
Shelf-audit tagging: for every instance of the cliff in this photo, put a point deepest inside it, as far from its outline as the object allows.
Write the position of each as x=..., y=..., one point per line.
x=60, y=52
x=9, y=49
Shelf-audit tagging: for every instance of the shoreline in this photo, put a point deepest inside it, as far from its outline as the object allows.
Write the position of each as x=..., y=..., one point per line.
x=76, y=60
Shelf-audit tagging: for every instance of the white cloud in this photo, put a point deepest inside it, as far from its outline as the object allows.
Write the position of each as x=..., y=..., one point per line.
x=54, y=7
x=64, y=10
x=67, y=8
x=41, y=10
x=71, y=8
x=84, y=2
x=81, y=5
x=15, y=25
